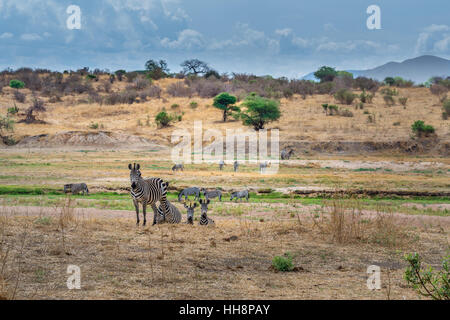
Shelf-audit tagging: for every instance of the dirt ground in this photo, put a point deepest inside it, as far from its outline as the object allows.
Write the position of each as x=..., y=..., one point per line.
x=119, y=260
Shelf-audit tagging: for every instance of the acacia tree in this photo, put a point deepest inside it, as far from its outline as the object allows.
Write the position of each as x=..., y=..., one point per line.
x=326, y=74
x=195, y=66
x=225, y=102
x=260, y=111
x=157, y=69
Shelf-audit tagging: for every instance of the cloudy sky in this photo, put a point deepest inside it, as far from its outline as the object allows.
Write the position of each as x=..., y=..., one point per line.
x=279, y=37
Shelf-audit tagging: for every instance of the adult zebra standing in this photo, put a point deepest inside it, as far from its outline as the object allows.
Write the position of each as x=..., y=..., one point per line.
x=147, y=192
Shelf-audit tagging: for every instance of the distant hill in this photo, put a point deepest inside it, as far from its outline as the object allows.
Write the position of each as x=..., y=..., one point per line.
x=418, y=69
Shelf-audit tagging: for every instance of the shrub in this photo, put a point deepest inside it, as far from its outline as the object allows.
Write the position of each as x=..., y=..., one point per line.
x=325, y=88
x=345, y=96
x=446, y=106
x=389, y=100
x=19, y=96
x=153, y=92
x=421, y=129
x=16, y=84
x=333, y=109
x=13, y=110
x=389, y=92
x=193, y=105
x=6, y=124
x=403, y=101
x=93, y=126
x=141, y=83
x=175, y=106
x=179, y=89
x=346, y=113
x=427, y=282
x=364, y=83
x=163, y=119
x=283, y=263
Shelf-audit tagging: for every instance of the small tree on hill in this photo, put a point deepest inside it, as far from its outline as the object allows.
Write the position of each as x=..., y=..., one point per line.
x=157, y=69
x=225, y=102
x=326, y=74
x=260, y=111
x=421, y=129
x=195, y=66
x=16, y=84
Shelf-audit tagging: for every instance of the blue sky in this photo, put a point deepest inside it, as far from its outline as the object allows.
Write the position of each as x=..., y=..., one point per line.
x=279, y=37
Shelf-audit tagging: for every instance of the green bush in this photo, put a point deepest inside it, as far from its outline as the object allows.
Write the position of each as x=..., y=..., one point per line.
x=284, y=263
x=193, y=105
x=16, y=84
x=446, y=106
x=175, y=106
x=163, y=119
x=13, y=110
x=420, y=128
x=389, y=100
x=428, y=282
x=345, y=96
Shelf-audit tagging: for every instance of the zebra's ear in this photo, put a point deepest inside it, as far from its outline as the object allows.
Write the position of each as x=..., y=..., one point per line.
x=201, y=201
x=129, y=166
x=195, y=205
x=138, y=166
x=208, y=201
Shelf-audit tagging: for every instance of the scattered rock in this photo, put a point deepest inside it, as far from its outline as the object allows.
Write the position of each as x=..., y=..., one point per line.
x=232, y=238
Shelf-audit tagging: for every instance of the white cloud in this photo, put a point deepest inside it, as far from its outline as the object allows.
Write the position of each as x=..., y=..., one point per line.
x=30, y=37
x=6, y=35
x=187, y=39
x=434, y=39
x=283, y=32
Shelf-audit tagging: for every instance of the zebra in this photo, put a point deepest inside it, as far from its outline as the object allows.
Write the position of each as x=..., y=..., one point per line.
x=173, y=216
x=285, y=155
x=263, y=166
x=190, y=212
x=240, y=195
x=204, y=220
x=236, y=165
x=211, y=194
x=147, y=192
x=178, y=167
x=221, y=165
x=76, y=188
x=188, y=192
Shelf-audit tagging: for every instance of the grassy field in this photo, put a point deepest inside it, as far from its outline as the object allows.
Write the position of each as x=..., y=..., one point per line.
x=332, y=240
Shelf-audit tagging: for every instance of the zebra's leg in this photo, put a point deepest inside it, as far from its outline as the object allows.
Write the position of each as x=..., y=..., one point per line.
x=136, y=206
x=144, y=211
x=155, y=212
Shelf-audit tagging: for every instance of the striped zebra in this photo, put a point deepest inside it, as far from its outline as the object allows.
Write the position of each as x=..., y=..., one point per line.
x=178, y=167
x=147, y=192
x=190, y=212
x=173, y=216
x=76, y=188
x=188, y=192
x=211, y=194
x=204, y=220
x=236, y=166
x=221, y=165
x=263, y=166
x=285, y=155
x=240, y=195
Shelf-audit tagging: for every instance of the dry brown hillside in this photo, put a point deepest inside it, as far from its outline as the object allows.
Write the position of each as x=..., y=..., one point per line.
x=303, y=125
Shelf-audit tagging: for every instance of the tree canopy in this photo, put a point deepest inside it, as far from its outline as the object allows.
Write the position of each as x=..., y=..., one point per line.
x=225, y=102
x=326, y=74
x=195, y=66
x=157, y=69
x=259, y=111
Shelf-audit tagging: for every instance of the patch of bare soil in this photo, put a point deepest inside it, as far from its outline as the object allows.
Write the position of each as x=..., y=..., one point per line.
x=87, y=139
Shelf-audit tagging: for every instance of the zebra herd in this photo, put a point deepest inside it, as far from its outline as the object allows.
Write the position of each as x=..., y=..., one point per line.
x=149, y=191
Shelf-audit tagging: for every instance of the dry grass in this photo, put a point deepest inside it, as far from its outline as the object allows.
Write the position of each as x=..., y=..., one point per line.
x=232, y=260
